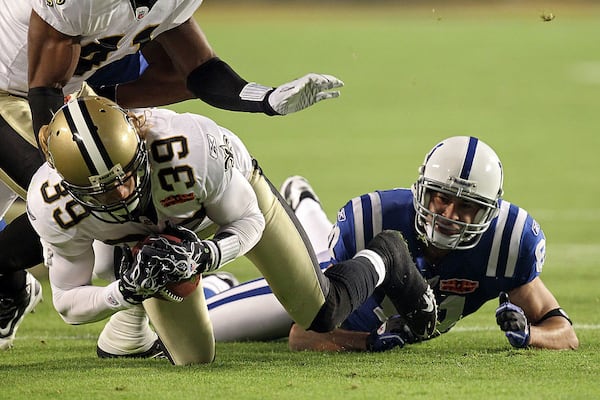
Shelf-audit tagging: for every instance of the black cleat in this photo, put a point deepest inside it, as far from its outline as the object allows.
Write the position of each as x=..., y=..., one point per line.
x=14, y=310
x=157, y=351
x=404, y=285
x=423, y=317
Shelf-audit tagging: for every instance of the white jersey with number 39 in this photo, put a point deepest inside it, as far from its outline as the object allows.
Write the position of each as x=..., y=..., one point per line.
x=199, y=178
x=192, y=162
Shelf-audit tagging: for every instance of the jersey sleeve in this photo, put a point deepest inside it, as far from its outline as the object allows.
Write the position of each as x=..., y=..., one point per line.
x=76, y=18
x=54, y=215
x=343, y=239
x=184, y=11
x=532, y=252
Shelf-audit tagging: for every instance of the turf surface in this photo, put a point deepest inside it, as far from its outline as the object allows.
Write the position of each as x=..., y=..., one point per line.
x=413, y=75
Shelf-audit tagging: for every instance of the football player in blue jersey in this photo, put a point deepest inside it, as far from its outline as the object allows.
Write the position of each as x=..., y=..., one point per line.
x=471, y=245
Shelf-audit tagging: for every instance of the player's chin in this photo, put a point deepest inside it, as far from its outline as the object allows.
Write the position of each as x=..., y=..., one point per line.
x=176, y=292
x=447, y=230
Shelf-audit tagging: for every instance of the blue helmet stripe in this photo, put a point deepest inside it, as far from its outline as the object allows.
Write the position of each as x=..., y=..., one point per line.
x=466, y=169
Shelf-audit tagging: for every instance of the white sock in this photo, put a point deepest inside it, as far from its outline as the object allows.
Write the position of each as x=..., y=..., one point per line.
x=127, y=332
x=376, y=261
x=317, y=227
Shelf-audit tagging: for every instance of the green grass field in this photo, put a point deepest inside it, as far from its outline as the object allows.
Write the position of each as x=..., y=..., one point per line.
x=413, y=77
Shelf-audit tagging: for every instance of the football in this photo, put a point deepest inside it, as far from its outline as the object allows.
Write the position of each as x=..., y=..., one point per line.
x=177, y=291
x=146, y=240
x=174, y=291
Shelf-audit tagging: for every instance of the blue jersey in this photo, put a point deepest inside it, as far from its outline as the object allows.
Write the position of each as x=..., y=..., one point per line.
x=128, y=68
x=510, y=254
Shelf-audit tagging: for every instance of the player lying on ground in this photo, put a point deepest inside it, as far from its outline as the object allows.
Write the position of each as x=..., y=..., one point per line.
x=122, y=178
x=471, y=246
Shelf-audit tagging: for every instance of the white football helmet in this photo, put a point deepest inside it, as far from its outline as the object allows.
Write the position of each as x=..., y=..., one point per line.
x=464, y=167
x=95, y=147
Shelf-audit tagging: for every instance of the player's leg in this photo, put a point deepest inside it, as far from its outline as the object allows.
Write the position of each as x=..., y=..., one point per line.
x=286, y=259
x=19, y=244
x=173, y=323
x=249, y=311
x=303, y=200
x=407, y=289
x=315, y=300
x=127, y=333
x=233, y=312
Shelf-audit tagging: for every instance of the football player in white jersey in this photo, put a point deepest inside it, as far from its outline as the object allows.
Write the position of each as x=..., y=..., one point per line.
x=51, y=46
x=104, y=182
x=471, y=245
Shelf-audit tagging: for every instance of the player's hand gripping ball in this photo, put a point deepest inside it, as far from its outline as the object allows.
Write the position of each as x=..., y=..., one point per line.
x=171, y=256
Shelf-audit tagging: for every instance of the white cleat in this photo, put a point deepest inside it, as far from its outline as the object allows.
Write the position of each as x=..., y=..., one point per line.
x=295, y=189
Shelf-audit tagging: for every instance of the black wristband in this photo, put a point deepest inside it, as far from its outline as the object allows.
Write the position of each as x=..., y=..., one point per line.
x=217, y=84
x=557, y=312
x=44, y=102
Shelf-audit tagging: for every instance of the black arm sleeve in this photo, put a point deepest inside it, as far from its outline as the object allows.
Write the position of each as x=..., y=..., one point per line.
x=217, y=84
x=44, y=102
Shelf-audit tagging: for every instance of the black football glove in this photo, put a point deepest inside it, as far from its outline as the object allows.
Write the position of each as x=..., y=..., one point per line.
x=203, y=253
x=513, y=322
x=138, y=280
x=394, y=332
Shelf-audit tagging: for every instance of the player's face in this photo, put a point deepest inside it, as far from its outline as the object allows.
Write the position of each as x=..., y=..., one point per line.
x=119, y=193
x=453, y=208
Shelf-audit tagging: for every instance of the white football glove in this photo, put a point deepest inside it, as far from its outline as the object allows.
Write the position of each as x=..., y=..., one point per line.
x=303, y=92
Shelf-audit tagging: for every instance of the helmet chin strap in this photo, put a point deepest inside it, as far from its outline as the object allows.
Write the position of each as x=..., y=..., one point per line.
x=439, y=239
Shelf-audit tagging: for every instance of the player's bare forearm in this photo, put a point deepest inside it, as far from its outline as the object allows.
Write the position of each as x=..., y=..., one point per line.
x=52, y=56
x=554, y=333
x=159, y=85
x=186, y=46
x=536, y=300
x=338, y=340
x=154, y=88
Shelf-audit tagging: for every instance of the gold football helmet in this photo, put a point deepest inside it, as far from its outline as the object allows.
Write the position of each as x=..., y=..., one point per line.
x=95, y=147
